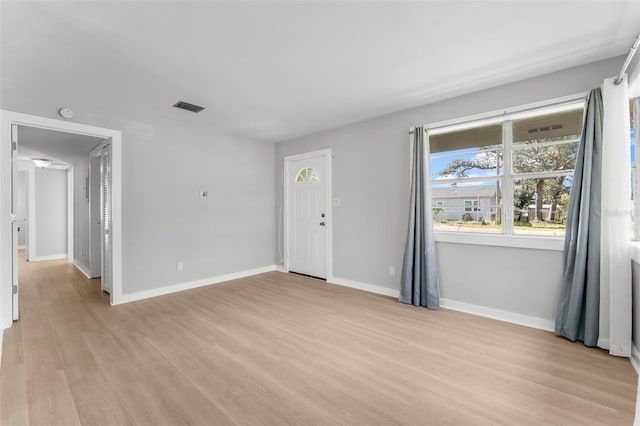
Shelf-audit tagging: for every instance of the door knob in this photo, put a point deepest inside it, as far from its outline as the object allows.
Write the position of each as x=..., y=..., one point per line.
x=321, y=223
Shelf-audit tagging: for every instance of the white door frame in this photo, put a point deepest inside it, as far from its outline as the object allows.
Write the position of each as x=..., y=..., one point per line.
x=7, y=250
x=326, y=153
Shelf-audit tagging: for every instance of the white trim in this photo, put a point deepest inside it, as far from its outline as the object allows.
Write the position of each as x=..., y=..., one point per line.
x=497, y=314
x=281, y=269
x=49, y=257
x=635, y=358
x=31, y=214
x=1, y=339
x=21, y=247
x=70, y=212
x=81, y=268
x=327, y=154
x=371, y=288
x=500, y=315
x=500, y=115
x=132, y=297
x=499, y=240
x=8, y=118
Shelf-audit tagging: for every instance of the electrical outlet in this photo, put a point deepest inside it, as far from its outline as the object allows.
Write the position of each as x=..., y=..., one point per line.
x=180, y=266
x=392, y=271
x=336, y=202
x=204, y=193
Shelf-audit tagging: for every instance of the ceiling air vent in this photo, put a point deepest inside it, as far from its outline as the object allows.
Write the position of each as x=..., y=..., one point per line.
x=187, y=106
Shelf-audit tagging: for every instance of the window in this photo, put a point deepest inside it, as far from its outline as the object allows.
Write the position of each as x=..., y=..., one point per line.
x=525, y=161
x=471, y=205
x=306, y=174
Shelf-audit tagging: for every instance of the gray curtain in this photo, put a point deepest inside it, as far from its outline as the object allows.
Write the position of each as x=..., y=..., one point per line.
x=579, y=304
x=419, y=281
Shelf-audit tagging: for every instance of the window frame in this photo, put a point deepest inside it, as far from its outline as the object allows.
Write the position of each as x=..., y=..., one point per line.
x=507, y=178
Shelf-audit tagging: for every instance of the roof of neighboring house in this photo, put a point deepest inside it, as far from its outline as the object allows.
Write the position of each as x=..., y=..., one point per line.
x=469, y=192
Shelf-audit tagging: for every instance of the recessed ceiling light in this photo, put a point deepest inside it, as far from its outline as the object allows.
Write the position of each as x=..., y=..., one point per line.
x=41, y=162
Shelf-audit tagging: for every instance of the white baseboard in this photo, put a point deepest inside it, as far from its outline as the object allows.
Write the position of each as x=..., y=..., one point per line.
x=132, y=297
x=512, y=317
x=50, y=257
x=22, y=247
x=364, y=286
x=529, y=321
x=1, y=338
x=81, y=268
x=281, y=269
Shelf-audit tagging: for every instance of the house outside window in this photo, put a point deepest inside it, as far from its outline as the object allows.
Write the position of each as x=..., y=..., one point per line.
x=524, y=161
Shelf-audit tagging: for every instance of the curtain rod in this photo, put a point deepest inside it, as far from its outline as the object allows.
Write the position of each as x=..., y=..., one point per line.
x=627, y=61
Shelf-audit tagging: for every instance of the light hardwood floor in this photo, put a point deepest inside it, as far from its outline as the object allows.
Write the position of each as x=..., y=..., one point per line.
x=283, y=349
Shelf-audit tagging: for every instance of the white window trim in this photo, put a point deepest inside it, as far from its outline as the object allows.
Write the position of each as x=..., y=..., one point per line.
x=505, y=116
x=550, y=106
x=500, y=240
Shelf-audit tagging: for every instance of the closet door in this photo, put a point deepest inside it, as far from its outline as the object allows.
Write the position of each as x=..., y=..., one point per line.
x=105, y=207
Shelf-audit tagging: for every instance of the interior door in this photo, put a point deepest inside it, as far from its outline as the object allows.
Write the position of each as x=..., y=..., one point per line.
x=95, y=215
x=14, y=224
x=105, y=211
x=307, y=216
x=22, y=210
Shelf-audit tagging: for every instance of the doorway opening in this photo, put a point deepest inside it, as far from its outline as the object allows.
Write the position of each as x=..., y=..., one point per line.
x=308, y=219
x=18, y=148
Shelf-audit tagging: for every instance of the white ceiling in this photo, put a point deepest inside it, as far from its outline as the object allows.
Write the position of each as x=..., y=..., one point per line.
x=273, y=71
x=61, y=147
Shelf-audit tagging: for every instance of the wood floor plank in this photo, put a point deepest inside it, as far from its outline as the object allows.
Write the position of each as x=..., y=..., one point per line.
x=279, y=349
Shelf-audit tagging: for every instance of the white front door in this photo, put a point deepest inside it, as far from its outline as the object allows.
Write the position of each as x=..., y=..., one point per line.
x=307, y=214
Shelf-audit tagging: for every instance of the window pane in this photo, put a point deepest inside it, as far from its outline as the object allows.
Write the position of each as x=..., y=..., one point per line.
x=540, y=205
x=547, y=142
x=475, y=152
x=467, y=207
x=547, y=127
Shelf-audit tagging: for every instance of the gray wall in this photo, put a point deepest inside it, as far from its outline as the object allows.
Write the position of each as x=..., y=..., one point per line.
x=165, y=221
x=370, y=176
x=51, y=212
x=81, y=215
x=504, y=278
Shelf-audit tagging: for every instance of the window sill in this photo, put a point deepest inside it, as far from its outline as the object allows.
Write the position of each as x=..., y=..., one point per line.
x=516, y=241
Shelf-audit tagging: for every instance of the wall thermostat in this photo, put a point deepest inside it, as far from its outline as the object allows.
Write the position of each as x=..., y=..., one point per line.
x=65, y=113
